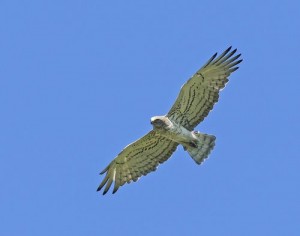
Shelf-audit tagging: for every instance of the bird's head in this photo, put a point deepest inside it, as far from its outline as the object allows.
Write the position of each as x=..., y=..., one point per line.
x=160, y=122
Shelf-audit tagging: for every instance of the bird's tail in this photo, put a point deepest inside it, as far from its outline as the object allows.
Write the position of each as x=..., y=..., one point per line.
x=200, y=151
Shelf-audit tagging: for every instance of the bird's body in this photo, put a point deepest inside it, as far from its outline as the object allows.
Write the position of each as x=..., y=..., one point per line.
x=173, y=131
x=197, y=144
x=196, y=98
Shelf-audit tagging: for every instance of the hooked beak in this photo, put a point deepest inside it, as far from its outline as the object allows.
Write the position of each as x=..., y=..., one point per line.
x=151, y=121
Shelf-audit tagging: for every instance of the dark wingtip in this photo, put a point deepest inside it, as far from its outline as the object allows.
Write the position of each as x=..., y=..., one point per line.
x=116, y=187
x=103, y=171
x=227, y=50
x=211, y=59
x=239, y=61
x=105, y=191
x=99, y=188
x=234, y=69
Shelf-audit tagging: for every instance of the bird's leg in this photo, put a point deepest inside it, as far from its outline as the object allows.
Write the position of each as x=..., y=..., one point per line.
x=192, y=144
x=189, y=144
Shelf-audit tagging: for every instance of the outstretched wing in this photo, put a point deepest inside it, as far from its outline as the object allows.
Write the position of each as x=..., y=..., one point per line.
x=199, y=94
x=137, y=159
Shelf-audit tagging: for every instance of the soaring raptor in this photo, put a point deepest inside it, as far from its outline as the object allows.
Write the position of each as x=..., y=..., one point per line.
x=195, y=100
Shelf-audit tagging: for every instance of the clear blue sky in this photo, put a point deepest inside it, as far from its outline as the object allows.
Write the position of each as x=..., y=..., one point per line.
x=79, y=80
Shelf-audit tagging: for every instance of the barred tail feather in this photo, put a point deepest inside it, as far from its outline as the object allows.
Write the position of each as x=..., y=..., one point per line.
x=204, y=146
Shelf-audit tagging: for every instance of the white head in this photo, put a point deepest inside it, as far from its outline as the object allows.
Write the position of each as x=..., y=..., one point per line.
x=160, y=122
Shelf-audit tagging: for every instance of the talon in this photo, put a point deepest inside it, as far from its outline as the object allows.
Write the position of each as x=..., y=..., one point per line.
x=193, y=144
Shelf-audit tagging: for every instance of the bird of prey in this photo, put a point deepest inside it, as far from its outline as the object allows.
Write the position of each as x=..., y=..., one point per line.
x=195, y=100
